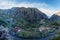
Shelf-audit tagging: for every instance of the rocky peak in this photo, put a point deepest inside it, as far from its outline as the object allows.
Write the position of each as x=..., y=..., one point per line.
x=58, y=14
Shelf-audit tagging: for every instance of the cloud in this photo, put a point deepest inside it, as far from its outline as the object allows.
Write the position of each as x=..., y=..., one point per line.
x=48, y=12
x=41, y=6
x=6, y=4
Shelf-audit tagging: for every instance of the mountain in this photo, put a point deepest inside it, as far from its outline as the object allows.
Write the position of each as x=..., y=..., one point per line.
x=30, y=14
x=25, y=16
x=55, y=17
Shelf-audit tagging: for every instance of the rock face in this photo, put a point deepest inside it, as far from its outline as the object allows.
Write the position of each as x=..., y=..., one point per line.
x=30, y=13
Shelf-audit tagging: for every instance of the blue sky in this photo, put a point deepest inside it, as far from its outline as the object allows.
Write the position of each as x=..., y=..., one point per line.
x=49, y=7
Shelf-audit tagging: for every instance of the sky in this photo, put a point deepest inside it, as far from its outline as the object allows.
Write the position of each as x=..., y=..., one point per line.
x=49, y=7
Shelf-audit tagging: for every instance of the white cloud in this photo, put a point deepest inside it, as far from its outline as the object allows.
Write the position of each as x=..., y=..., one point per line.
x=6, y=5
x=48, y=12
x=41, y=6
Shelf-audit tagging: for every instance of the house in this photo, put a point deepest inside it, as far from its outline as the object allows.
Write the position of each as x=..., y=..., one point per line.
x=44, y=29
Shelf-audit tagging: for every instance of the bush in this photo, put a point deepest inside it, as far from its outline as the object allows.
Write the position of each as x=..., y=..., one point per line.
x=4, y=23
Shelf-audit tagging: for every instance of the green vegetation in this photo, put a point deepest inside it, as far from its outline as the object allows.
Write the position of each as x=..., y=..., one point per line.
x=2, y=19
x=56, y=38
x=56, y=23
x=27, y=34
x=4, y=23
x=25, y=24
